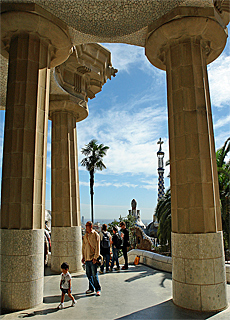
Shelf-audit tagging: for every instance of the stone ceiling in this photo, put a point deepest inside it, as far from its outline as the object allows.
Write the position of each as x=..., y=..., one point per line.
x=110, y=20
x=90, y=21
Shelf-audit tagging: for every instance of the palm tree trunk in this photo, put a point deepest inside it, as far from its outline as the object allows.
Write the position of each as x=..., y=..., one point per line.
x=91, y=191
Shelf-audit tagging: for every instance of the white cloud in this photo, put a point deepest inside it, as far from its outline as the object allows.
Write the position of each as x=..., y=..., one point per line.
x=131, y=136
x=124, y=57
x=219, y=81
x=221, y=122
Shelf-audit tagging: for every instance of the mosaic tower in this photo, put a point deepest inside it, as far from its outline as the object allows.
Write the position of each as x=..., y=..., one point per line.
x=160, y=155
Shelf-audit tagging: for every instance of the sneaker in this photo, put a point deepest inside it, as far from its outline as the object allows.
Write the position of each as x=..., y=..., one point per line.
x=61, y=306
x=98, y=293
x=89, y=291
x=73, y=303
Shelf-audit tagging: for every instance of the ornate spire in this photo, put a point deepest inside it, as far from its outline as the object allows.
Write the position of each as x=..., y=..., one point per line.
x=160, y=155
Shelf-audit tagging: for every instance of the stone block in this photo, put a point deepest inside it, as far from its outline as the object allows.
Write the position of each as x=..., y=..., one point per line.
x=178, y=269
x=6, y=294
x=186, y=295
x=23, y=242
x=180, y=147
x=55, y=263
x=185, y=245
x=182, y=196
x=208, y=197
x=187, y=76
x=35, y=267
x=192, y=146
x=195, y=195
x=183, y=220
x=211, y=245
x=219, y=270
x=7, y=238
x=196, y=220
x=199, y=271
x=214, y=297
x=210, y=219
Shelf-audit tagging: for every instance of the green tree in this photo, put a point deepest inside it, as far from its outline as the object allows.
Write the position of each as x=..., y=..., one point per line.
x=163, y=214
x=93, y=161
x=130, y=225
x=223, y=168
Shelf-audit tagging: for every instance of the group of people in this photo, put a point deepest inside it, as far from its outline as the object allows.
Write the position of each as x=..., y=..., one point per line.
x=93, y=246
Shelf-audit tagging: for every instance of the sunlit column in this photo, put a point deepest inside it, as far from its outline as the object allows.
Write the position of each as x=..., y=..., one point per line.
x=66, y=220
x=182, y=47
x=24, y=154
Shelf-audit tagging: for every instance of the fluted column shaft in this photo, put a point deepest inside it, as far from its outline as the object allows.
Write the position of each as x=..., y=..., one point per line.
x=194, y=181
x=66, y=225
x=24, y=172
x=25, y=138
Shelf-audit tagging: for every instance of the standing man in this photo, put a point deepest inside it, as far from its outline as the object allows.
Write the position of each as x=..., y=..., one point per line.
x=125, y=237
x=90, y=253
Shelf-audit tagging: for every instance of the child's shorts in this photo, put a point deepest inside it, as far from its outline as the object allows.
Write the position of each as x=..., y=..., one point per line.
x=65, y=291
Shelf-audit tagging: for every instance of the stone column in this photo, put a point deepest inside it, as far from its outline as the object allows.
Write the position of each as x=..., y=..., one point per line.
x=66, y=220
x=24, y=156
x=183, y=47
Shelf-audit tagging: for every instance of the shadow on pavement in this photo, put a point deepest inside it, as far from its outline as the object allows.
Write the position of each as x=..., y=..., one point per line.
x=167, y=310
x=39, y=312
x=56, y=299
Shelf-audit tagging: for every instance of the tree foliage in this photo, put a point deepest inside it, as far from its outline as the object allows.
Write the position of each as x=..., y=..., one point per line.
x=223, y=169
x=130, y=225
x=163, y=214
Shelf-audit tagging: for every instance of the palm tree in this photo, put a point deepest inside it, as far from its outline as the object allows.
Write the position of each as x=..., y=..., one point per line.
x=224, y=187
x=93, y=161
x=163, y=214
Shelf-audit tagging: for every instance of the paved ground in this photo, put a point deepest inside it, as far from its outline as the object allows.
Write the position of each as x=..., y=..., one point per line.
x=137, y=293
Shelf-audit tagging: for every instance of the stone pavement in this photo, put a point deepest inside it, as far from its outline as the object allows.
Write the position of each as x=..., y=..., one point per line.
x=137, y=293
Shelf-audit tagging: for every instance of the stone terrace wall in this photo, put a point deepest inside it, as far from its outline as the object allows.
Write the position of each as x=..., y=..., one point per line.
x=158, y=261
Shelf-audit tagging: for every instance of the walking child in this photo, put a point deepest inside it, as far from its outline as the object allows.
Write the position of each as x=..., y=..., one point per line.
x=65, y=285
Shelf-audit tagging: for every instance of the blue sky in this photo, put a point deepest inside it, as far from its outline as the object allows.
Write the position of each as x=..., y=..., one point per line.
x=130, y=115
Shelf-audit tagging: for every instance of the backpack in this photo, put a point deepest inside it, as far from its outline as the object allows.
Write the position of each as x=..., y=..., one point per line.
x=119, y=241
x=105, y=242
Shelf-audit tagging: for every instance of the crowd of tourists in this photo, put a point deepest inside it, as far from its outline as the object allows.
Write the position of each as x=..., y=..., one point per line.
x=96, y=251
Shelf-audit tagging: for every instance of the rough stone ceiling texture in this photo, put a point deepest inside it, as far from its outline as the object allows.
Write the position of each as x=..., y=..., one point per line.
x=121, y=21
x=111, y=20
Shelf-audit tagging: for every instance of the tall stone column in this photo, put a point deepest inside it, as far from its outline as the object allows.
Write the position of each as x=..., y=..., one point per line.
x=80, y=77
x=29, y=49
x=66, y=220
x=183, y=47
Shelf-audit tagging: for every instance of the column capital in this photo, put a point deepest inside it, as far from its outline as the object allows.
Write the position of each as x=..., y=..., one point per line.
x=183, y=24
x=86, y=71
x=68, y=103
x=29, y=18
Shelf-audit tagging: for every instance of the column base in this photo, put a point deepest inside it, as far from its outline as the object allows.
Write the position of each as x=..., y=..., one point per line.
x=22, y=268
x=198, y=272
x=66, y=246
